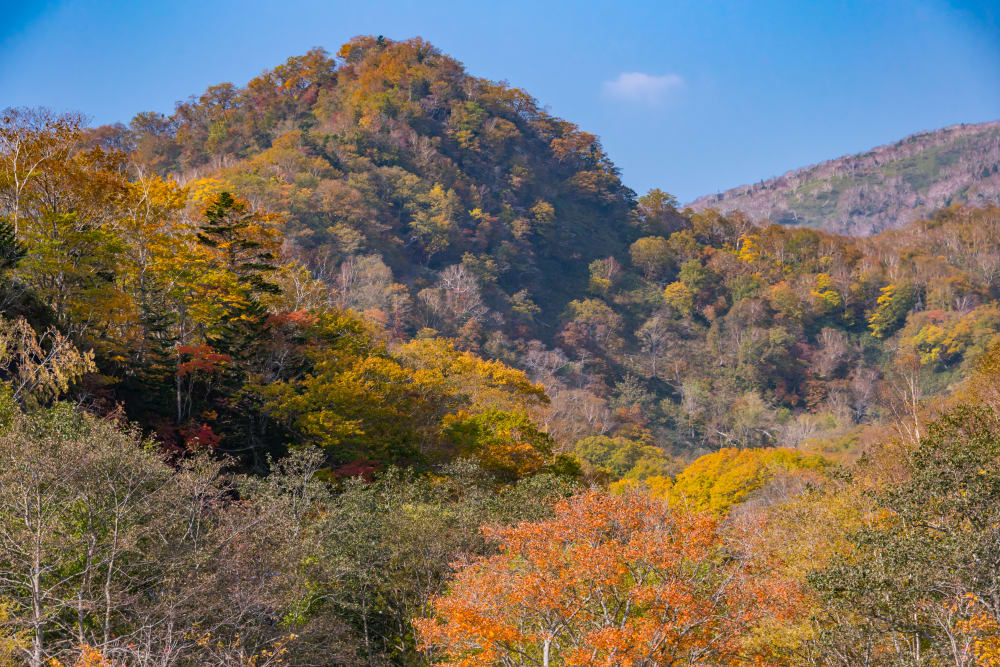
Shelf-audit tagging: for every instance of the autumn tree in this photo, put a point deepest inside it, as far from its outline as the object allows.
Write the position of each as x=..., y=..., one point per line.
x=591, y=325
x=608, y=581
x=658, y=213
x=653, y=255
x=893, y=304
x=69, y=229
x=507, y=444
x=388, y=569
x=621, y=458
x=39, y=368
x=716, y=482
x=435, y=221
x=30, y=139
x=921, y=577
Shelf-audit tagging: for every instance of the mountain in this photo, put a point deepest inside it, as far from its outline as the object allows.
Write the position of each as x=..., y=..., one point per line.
x=330, y=368
x=883, y=188
x=392, y=149
x=435, y=204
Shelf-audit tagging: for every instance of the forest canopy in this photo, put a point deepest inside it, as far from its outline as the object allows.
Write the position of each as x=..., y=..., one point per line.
x=371, y=361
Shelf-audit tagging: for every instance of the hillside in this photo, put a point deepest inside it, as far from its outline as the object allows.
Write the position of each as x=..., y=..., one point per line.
x=374, y=362
x=392, y=149
x=434, y=204
x=883, y=188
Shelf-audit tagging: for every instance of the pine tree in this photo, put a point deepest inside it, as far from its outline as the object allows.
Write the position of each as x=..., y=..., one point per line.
x=11, y=250
x=246, y=248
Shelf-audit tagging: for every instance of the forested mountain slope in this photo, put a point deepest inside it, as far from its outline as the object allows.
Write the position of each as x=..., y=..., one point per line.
x=371, y=362
x=883, y=188
x=432, y=203
x=393, y=149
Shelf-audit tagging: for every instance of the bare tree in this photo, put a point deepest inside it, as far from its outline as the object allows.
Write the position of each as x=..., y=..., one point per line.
x=654, y=339
x=833, y=354
x=454, y=300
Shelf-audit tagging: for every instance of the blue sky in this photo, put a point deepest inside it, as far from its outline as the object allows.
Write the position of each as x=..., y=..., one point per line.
x=693, y=97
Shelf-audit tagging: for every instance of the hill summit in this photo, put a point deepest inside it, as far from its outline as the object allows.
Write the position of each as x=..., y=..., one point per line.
x=883, y=188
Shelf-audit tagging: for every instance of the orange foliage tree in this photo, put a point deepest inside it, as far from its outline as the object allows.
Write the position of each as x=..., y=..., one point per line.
x=89, y=657
x=609, y=580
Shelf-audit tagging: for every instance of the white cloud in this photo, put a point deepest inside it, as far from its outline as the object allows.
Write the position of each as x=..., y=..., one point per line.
x=643, y=88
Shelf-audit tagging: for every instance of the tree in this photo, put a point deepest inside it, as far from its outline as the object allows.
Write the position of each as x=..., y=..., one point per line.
x=604, y=273
x=38, y=369
x=922, y=579
x=653, y=255
x=363, y=402
x=68, y=226
x=351, y=398
x=680, y=297
x=104, y=544
x=592, y=325
x=435, y=221
x=718, y=481
x=243, y=248
x=655, y=336
x=454, y=300
x=658, y=213
x=73, y=516
x=893, y=305
x=506, y=444
x=29, y=140
x=364, y=284
x=12, y=251
x=609, y=580
x=245, y=242
x=393, y=542
x=623, y=458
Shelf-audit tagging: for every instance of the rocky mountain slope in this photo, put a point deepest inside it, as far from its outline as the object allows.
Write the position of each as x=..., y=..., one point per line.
x=884, y=188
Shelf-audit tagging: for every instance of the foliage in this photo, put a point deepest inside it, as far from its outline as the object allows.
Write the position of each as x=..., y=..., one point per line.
x=39, y=368
x=621, y=458
x=607, y=581
x=393, y=303
x=922, y=573
x=116, y=549
x=893, y=304
x=388, y=181
x=715, y=482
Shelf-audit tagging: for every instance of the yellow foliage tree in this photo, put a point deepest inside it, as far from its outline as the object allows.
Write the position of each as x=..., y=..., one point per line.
x=715, y=482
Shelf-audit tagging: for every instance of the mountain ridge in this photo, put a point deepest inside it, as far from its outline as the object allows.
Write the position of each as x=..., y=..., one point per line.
x=882, y=188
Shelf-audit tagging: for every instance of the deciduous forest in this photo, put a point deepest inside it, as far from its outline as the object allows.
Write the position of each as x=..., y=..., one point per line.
x=374, y=362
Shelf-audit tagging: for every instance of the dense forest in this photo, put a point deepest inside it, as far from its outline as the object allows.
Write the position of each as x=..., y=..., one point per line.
x=374, y=362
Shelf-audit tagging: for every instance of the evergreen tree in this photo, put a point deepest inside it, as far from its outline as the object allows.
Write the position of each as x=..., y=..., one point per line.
x=246, y=248
x=11, y=250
